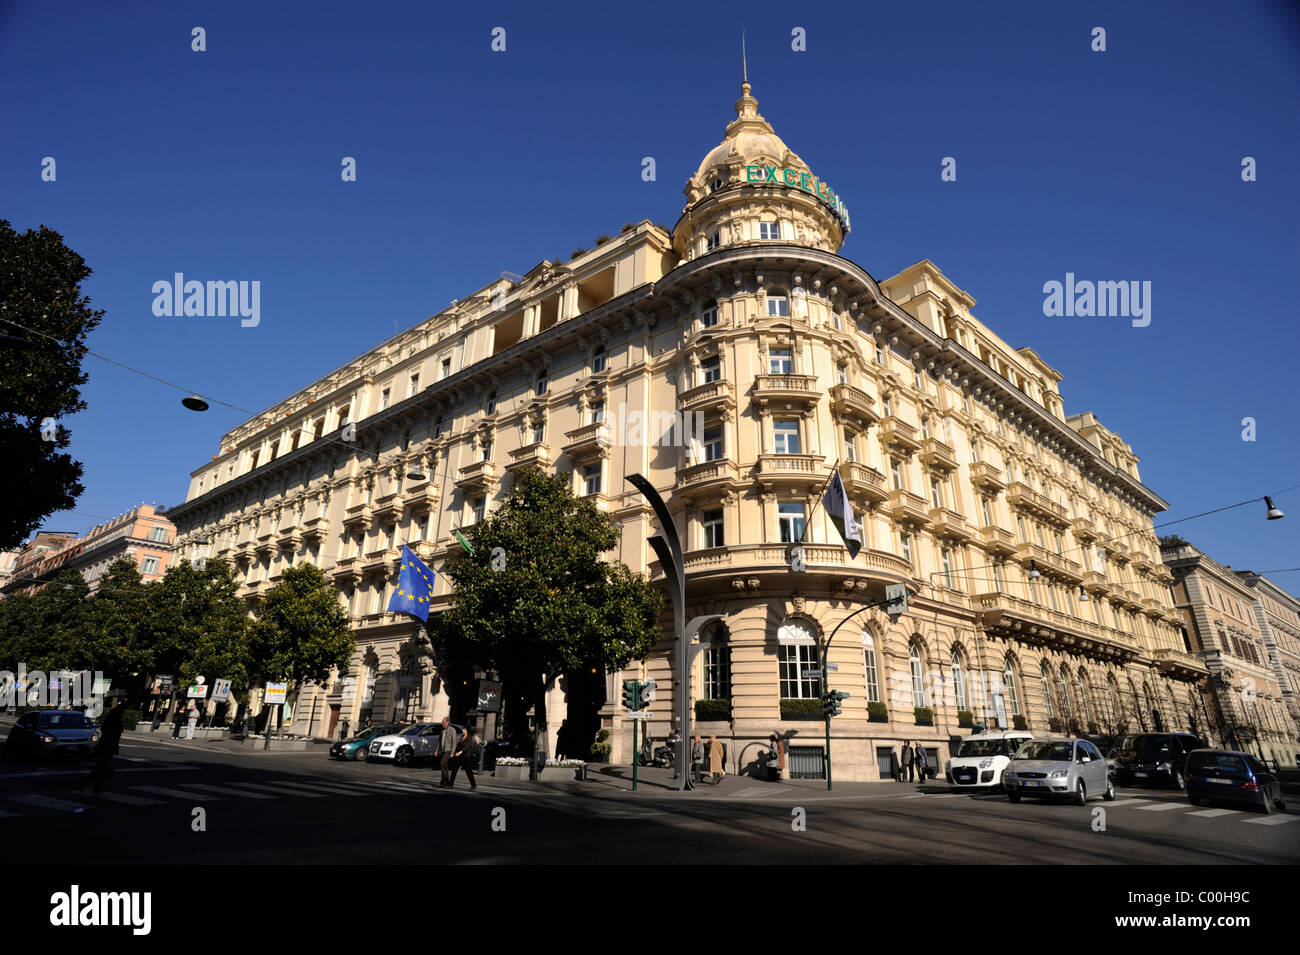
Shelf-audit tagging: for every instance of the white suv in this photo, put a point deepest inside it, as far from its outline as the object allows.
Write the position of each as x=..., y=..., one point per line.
x=415, y=742
x=980, y=761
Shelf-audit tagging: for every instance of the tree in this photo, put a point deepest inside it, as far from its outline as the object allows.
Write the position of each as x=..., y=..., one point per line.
x=301, y=634
x=118, y=619
x=44, y=321
x=535, y=599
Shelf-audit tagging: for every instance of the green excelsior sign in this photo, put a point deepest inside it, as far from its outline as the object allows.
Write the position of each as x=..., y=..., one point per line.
x=800, y=180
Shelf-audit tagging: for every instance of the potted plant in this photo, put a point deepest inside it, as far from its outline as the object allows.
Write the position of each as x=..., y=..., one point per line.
x=601, y=749
x=924, y=716
x=801, y=709
x=965, y=718
x=713, y=711
x=877, y=713
x=511, y=767
x=1019, y=722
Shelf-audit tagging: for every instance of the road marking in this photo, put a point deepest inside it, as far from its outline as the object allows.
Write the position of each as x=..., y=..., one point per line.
x=47, y=802
x=1165, y=806
x=1211, y=813
x=168, y=791
x=128, y=800
x=83, y=772
x=917, y=796
x=1272, y=820
x=1127, y=802
x=945, y=795
x=229, y=792
x=284, y=790
x=330, y=788
x=750, y=793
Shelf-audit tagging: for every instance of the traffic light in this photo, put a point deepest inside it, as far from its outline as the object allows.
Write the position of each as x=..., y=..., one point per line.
x=837, y=698
x=632, y=694
x=828, y=705
x=647, y=692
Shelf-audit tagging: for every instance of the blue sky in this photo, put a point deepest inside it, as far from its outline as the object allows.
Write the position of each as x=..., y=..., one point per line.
x=1122, y=165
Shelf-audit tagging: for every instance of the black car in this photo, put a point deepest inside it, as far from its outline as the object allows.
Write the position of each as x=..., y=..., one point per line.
x=1159, y=758
x=1221, y=775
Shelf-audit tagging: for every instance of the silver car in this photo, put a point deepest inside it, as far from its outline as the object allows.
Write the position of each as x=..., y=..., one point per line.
x=1058, y=767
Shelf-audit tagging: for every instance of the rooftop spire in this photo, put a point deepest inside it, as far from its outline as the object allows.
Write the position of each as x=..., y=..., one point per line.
x=744, y=62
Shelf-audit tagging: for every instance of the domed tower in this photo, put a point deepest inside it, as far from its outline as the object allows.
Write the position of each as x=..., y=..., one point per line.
x=753, y=189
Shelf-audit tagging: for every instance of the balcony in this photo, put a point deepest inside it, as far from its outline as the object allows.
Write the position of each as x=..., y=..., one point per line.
x=862, y=481
x=382, y=560
x=786, y=392
x=1025, y=498
x=289, y=538
x=707, y=479
x=1084, y=529
x=1007, y=616
x=265, y=545
x=1141, y=560
x=997, y=541
x=938, y=455
x=904, y=506
x=388, y=507
x=346, y=570
x=537, y=455
x=422, y=498
x=1118, y=551
x=776, y=557
x=589, y=441
x=1179, y=664
x=1095, y=582
x=710, y=396
x=985, y=475
x=950, y=524
x=1152, y=607
x=898, y=434
x=479, y=476
x=790, y=471
x=359, y=517
x=854, y=404
x=316, y=529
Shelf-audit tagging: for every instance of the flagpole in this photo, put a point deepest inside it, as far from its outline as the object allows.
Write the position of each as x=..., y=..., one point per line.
x=820, y=497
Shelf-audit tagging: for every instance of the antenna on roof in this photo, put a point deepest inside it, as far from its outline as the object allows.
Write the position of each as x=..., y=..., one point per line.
x=744, y=61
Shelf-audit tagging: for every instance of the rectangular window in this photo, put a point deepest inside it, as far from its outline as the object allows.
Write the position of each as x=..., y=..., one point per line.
x=872, y=678
x=916, y=379
x=880, y=354
x=936, y=492
x=778, y=306
x=711, y=368
x=487, y=451
x=598, y=361
x=149, y=565
x=709, y=315
x=591, y=479
x=383, y=399
x=850, y=445
x=975, y=452
x=158, y=534
x=791, y=521
x=896, y=473
x=713, y=444
x=711, y=242
x=711, y=527
x=769, y=230
x=597, y=412
x=841, y=374
x=446, y=368
x=997, y=577
x=785, y=437
x=780, y=361
x=945, y=558
x=988, y=512
x=905, y=545
x=413, y=386
x=887, y=406
x=477, y=509
x=794, y=659
x=539, y=433
x=492, y=403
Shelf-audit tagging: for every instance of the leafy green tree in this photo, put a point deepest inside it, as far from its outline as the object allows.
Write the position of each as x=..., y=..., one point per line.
x=118, y=620
x=536, y=599
x=301, y=634
x=44, y=321
x=59, y=623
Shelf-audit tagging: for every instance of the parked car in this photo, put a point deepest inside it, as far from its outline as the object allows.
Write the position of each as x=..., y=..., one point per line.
x=1058, y=767
x=981, y=760
x=1155, y=758
x=50, y=733
x=1222, y=775
x=358, y=747
x=417, y=741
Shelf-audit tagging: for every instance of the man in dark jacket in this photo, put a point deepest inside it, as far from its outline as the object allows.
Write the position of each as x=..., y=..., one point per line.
x=447, y=746
x=110, y=735
x=909, y=770
x=178, y=720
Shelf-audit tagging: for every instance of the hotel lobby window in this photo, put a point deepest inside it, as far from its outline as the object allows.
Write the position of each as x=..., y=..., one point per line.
x=778, y=306
x=709, y=314
x=785, y=436
x=790, y=520
x=711, y=369
x=711, y=528
x=769, y=230
x=780, y=361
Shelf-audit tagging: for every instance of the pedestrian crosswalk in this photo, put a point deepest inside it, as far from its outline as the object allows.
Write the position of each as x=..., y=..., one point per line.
x=147, y=795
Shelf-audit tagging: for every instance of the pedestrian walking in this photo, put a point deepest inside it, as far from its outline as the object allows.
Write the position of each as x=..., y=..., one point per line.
x=895, y=772
x=446, y=751
x=192, y=720
x=922, y=762
x=110, y=735
x=562, y=739
x=464, y=759
x=909, y=768
x=343, y=734
x=717, y=764
x=178, y=720
x=697, y=759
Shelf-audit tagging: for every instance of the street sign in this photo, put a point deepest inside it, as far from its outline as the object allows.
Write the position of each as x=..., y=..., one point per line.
x=640, y=715
x=1000, y=708
x=221, y=690
x=275, y=692
x=198, y=691
x=896, y=595
x=810, y=674
x=833, y=667
x=489, y=696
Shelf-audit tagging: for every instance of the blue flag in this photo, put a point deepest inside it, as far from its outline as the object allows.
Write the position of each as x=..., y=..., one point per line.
x=414, y=585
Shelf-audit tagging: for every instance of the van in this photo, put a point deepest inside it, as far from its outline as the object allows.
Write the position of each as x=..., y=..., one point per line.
x=981, y=759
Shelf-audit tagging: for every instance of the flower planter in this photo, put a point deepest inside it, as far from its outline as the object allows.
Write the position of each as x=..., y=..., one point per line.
x=510, y=772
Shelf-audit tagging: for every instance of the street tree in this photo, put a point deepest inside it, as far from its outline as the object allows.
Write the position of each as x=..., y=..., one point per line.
x=44, y=321
x=118, y=620
x=536, y=598
x=301, y=634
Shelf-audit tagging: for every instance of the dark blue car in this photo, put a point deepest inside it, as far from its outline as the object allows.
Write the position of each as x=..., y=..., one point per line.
x=1222, y=775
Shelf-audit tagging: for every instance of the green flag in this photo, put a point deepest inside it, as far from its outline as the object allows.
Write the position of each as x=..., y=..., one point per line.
x=463, y=543
x=840, y=511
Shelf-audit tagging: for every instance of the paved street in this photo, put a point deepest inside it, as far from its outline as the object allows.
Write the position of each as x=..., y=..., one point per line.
x=304, y=808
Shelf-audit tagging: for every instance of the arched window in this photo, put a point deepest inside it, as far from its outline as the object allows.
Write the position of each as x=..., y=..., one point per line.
x=1115, y=710
x=1047, y=692
x=1063, y=686
x=870, y=671
x=914, y=665
x=717, y=664
x=797, y=651
x=1009, y=681
x=1083, y=695
x=959, y=679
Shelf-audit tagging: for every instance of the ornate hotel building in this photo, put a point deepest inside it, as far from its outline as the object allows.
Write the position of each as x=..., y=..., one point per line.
x=1247, y=630
x=1024, y=536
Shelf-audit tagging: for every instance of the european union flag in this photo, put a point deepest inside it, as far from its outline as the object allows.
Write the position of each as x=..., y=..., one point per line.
x=414, y=585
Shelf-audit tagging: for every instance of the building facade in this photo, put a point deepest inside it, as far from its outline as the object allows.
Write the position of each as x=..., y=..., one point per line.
x=142, y=534
x=1227, y=625
x=1277, y=614
x=735, y=361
